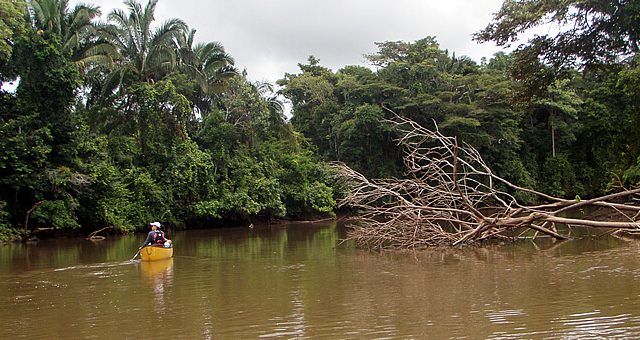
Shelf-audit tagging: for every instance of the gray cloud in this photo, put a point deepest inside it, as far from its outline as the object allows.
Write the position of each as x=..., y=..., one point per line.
x=270, y=37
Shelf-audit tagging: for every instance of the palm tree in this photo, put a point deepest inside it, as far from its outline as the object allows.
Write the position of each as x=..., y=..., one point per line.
x=75, y=27
x=205, y=63
x=277, y=118
x=130, y=51
x=276, y=107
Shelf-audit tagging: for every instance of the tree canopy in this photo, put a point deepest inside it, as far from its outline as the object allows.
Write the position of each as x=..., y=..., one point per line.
x=585, y=32
x=119, y=122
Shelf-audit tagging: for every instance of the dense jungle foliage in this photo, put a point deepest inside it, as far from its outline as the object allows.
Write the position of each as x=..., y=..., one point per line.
x=119, y=124
x=126, y=120
x=559, y=114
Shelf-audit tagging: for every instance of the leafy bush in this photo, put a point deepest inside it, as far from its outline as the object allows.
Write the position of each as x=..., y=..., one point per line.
x=58, y=214
x=558, y=178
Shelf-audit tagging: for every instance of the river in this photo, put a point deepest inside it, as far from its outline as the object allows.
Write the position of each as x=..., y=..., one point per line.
x=300, y=281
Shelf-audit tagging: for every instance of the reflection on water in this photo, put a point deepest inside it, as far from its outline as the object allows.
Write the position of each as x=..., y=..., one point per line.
x=296, y=282
x=159, y=275
x=155, y=269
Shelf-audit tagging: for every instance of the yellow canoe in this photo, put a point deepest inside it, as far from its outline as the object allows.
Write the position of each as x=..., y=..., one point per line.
x=150, y=253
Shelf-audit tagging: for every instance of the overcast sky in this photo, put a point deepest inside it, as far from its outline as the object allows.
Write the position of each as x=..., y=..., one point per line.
x=270, y=37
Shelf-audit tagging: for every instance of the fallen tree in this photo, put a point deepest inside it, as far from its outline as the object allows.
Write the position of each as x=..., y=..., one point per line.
x=94, y=236
x=450, y=197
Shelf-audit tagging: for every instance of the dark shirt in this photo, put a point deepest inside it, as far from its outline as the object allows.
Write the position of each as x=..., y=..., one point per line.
x=151, y=240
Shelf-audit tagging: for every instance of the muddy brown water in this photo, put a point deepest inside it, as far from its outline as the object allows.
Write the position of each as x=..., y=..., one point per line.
x=298, y=281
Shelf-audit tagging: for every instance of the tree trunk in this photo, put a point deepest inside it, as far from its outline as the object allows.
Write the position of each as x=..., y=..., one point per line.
x=553, y=141
x=28, y=214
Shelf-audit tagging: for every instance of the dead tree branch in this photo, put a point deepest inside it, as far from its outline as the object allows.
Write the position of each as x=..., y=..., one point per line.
x=28, y=214
x=93, y=236
x=450, y=196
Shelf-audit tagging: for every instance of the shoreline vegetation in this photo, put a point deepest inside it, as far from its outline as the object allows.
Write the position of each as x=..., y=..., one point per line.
x=117, y=120
x=106, y=232
x=126, y=121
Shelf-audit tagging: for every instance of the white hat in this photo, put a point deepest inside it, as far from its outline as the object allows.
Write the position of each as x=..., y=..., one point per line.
x=155, y=224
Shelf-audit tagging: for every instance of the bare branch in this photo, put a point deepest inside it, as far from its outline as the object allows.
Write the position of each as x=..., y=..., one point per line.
x=449, y=197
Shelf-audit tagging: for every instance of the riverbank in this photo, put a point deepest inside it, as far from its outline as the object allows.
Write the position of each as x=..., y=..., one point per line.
x=15, y=235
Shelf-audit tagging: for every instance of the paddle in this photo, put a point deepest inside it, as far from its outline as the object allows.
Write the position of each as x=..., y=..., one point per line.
x=136, y=255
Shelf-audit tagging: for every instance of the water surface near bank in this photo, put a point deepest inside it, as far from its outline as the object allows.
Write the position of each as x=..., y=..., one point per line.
x=298, y=281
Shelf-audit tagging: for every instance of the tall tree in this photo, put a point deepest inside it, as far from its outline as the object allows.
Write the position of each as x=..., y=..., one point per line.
x=207, y=64
x=560, y=106
x=39, y=131
x=132, y=51
x=277, y=118
x=12, y=25
x=75, y=26
x=587, y=31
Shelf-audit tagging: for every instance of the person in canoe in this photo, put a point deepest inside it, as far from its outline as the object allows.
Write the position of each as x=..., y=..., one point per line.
x=156, y=236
